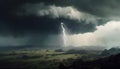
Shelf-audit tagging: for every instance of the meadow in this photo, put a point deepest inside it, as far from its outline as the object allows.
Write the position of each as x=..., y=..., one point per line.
x=42, y=59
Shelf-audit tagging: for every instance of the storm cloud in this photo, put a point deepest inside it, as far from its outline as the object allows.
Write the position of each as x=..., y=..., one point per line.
x=45, y=17
x=52, y=11
x=42, y=18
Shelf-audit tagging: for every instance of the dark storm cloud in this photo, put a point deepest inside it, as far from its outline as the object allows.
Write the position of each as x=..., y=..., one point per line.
x=103, y=8
x=19, y=16
x=37, y=22
x=96, y=7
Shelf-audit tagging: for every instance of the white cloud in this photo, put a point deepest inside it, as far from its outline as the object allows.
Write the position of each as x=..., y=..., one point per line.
x=106, y=35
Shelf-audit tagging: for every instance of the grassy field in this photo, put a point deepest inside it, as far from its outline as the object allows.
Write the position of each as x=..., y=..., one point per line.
x=37, y=59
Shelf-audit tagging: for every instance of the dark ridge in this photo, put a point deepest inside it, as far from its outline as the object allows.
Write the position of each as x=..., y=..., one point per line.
x=111, y=62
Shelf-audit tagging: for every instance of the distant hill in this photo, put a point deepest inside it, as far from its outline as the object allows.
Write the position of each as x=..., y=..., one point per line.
x=86, y=47
x=112, y=51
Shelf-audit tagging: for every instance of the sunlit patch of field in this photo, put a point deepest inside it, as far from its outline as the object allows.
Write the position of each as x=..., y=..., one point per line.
x=39, y=55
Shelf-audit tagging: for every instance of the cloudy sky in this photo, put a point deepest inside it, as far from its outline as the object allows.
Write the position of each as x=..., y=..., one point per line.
x=38, y=22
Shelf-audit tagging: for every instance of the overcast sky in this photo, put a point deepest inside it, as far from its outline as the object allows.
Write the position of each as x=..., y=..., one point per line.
x=37, y=22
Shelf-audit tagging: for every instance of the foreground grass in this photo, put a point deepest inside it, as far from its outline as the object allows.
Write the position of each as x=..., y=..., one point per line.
x=35, y=59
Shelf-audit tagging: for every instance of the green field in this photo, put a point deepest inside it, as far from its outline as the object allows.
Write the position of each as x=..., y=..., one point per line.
x=38, y=59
